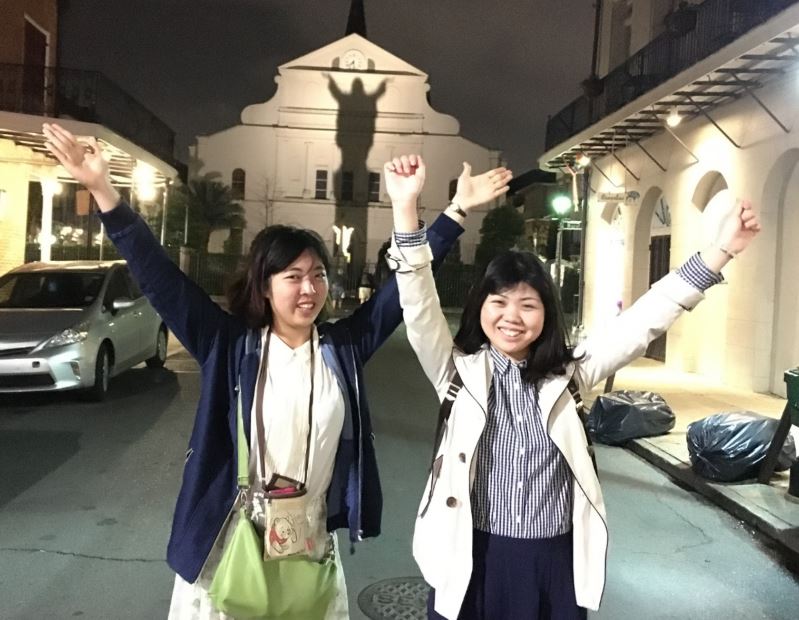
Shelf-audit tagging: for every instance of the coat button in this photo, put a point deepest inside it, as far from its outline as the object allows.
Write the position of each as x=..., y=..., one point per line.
x=462, y=457
x=452, y=502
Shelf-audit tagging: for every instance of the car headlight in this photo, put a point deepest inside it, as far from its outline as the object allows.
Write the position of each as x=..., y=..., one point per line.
x=71, y=335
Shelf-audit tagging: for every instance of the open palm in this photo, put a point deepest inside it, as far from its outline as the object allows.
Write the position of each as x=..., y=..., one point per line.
x=83, y=161
x=476, y=190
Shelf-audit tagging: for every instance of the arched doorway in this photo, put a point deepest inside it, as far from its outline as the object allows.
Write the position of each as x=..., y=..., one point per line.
x=651, y=252
x=781, y=186
x=659, y=261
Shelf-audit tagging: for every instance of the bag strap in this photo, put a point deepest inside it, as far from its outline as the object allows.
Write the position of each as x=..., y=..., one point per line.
x=455, y=385
x=580, y=406
x=243, y=448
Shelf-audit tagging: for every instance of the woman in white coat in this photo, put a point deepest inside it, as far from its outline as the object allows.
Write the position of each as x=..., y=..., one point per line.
x=512, y=524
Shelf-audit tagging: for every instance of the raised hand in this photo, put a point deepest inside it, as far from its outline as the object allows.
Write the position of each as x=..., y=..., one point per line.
x=473, y=191
x=84, y=161
x=739, y=228
x=404, y=179
x=86, y=165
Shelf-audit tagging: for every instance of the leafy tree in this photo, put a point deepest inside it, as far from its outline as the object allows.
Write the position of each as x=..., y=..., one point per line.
x=210, y=207
x=502, y=229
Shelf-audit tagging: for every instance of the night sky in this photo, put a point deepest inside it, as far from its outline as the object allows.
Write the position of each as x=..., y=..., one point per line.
x=499, y=67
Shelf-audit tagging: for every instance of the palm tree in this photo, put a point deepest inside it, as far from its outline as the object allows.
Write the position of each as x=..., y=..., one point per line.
x=211, y=203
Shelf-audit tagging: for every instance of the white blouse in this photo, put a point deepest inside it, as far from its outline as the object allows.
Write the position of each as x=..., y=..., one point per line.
x=285, y=415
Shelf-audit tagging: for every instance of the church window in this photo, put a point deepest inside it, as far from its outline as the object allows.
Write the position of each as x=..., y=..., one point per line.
x=346, y=185
x=237, y=183
x=321, y=185
x=374, y=187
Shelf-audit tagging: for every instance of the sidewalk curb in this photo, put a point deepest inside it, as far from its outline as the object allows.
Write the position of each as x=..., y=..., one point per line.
x=724, y=496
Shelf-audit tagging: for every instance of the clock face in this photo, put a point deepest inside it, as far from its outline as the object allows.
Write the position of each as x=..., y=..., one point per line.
x=353, y=59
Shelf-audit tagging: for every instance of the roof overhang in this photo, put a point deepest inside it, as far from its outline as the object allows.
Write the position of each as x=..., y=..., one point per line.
x=737, y=70
x=25, y=130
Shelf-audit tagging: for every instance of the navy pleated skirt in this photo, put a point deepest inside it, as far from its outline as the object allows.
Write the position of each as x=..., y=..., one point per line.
x=519, y=579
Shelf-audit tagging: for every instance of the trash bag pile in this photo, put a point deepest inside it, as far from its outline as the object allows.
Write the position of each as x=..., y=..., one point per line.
x=730, y=447
x=618, y=417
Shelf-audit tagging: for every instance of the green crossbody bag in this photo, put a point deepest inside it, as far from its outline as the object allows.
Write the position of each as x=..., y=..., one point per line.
x=246, y=586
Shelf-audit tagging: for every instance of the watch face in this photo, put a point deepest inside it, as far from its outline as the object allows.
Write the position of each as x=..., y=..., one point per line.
x=353, y=59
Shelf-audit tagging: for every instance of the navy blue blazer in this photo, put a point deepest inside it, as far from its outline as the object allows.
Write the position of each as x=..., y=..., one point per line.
x=225, y=349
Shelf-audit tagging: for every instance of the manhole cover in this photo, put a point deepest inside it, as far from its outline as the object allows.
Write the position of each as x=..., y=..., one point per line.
x=404, y=598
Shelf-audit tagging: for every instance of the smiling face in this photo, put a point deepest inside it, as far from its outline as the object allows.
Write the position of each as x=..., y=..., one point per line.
x=513, y=319
x=297, y=295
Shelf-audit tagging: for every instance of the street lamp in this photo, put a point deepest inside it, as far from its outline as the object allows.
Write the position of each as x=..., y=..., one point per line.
x=674, y=118
x=561, y=205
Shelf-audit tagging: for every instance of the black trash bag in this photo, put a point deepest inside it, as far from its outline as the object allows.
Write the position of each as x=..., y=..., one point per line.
x=729, y=447
x=617, y=417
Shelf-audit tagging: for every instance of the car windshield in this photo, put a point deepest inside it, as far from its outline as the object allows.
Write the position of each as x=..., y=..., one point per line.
x=50, y=289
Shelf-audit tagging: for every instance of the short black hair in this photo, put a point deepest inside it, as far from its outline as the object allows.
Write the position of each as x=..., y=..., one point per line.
x=272, y=251
x=551, y=351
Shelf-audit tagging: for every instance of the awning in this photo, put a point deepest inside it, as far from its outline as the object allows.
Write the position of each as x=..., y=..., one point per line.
x=124, y=156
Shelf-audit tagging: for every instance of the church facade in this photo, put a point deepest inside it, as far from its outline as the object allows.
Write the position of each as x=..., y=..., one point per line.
x=312, y=155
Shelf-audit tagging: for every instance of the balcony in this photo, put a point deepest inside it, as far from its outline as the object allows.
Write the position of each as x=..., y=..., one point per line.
x=690, y=38
x=86, y=96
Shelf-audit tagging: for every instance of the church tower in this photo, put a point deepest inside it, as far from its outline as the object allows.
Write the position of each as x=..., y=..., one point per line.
x=356, y=24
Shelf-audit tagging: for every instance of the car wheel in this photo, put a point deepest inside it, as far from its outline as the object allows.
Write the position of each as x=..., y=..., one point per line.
x=159, y=359
x=102, y=374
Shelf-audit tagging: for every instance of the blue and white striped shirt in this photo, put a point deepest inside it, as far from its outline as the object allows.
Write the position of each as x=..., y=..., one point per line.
x=522, y=486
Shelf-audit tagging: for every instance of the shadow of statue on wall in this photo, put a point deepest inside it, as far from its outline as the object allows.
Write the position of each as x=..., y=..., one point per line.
x=355, y=130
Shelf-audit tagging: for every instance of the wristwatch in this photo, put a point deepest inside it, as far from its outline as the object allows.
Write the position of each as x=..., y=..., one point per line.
x=457, y=208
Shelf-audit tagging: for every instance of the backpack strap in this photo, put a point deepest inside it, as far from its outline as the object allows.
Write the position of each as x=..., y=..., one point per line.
x=580, y=406
x=455, y=385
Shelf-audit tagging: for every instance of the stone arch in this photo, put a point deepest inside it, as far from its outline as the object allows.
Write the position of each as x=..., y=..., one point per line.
x=781, y=183
x=641, y=235
x=709, y=185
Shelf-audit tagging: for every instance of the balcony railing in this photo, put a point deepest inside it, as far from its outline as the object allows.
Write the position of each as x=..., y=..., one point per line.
x=86, y=96
x=692, y=35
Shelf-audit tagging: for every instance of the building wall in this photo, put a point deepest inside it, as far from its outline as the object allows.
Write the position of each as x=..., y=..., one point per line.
x=44, y=13
x=13, y=204
x=746, y=333
x=324, y=119
x=636, y=21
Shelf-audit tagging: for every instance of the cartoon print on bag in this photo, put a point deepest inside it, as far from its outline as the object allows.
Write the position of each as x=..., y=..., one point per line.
x=282, y=534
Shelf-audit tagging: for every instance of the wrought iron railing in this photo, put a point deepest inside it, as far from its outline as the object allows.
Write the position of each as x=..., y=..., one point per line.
x=692, y=35
x=85, y=96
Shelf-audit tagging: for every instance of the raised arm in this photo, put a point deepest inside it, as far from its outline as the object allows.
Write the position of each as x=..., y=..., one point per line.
x=629, y=334
x=373, y=322
x=410, y=257
x=186, y=309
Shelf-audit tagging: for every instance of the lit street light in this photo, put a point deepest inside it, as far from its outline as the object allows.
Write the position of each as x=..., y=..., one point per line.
x=561, y=205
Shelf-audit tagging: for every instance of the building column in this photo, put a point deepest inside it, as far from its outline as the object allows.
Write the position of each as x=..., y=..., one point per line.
x=50, y=188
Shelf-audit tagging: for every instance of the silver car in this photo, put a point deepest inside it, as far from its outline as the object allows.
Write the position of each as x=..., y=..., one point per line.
x=74, y=325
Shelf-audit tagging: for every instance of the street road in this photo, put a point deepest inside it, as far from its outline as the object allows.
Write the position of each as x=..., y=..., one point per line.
x=87, y=492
